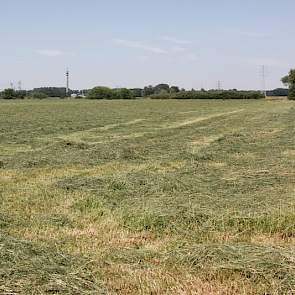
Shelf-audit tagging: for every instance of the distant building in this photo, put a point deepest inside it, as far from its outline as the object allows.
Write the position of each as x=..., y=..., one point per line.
x=278, y=92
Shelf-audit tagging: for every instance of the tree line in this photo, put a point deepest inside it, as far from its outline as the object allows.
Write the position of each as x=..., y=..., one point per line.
x=160, y=91
x=96, y=92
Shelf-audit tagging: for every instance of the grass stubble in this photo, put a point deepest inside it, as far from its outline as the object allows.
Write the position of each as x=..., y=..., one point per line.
x=147, y=197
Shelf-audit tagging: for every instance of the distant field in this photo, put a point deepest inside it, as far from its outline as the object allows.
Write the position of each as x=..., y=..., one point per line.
x=147, y=197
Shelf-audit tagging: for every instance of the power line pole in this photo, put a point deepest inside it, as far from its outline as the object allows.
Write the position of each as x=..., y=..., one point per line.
x=68, y=82
x=263, y=75
x=19, y=85
x=219, y=85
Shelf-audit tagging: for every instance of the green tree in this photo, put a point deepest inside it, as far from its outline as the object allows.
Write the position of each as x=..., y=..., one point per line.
x=289, y=80
x=123, y=93
x=137, y=92
x=148, y=90
x=20, y=94
x=160, y=88
x=285, y=80
x=8, y=94
x=100, y=93
x=174, y=89
x=52, y=91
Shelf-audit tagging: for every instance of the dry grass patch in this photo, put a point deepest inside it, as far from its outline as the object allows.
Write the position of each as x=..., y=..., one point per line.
x=267, y=132
x=47, y=176
x=244, y=156
x=93, y=133
x=216, y=164
x=272, y=240
x=289, y=153
x=166, y=167
x=156, y=279
x=199, y=119
x=200, y=143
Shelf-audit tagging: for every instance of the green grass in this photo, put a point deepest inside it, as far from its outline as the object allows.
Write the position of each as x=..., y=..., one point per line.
x=160, y=197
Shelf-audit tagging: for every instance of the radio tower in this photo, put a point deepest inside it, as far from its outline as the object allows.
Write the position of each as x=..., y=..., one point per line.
x=68, y=82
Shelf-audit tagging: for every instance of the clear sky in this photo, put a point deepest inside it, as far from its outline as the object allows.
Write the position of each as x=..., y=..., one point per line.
x=133, y=43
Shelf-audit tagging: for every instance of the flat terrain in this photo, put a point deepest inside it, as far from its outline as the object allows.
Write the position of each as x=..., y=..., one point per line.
x=147, y=197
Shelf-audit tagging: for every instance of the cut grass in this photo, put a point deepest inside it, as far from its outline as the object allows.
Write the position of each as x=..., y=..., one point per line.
x=29, y=269
x=162, y=197
x=269, y=267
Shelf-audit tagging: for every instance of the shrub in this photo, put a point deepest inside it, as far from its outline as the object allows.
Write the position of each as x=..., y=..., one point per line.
x=38, y=95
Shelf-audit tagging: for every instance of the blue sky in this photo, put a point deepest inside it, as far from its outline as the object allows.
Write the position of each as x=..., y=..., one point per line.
x=134, y=43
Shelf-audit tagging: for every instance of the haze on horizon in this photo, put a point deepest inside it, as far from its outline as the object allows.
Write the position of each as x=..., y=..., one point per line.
x=188, y=43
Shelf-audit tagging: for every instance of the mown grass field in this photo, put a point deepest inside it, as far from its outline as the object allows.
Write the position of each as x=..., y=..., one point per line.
x=147, y=197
